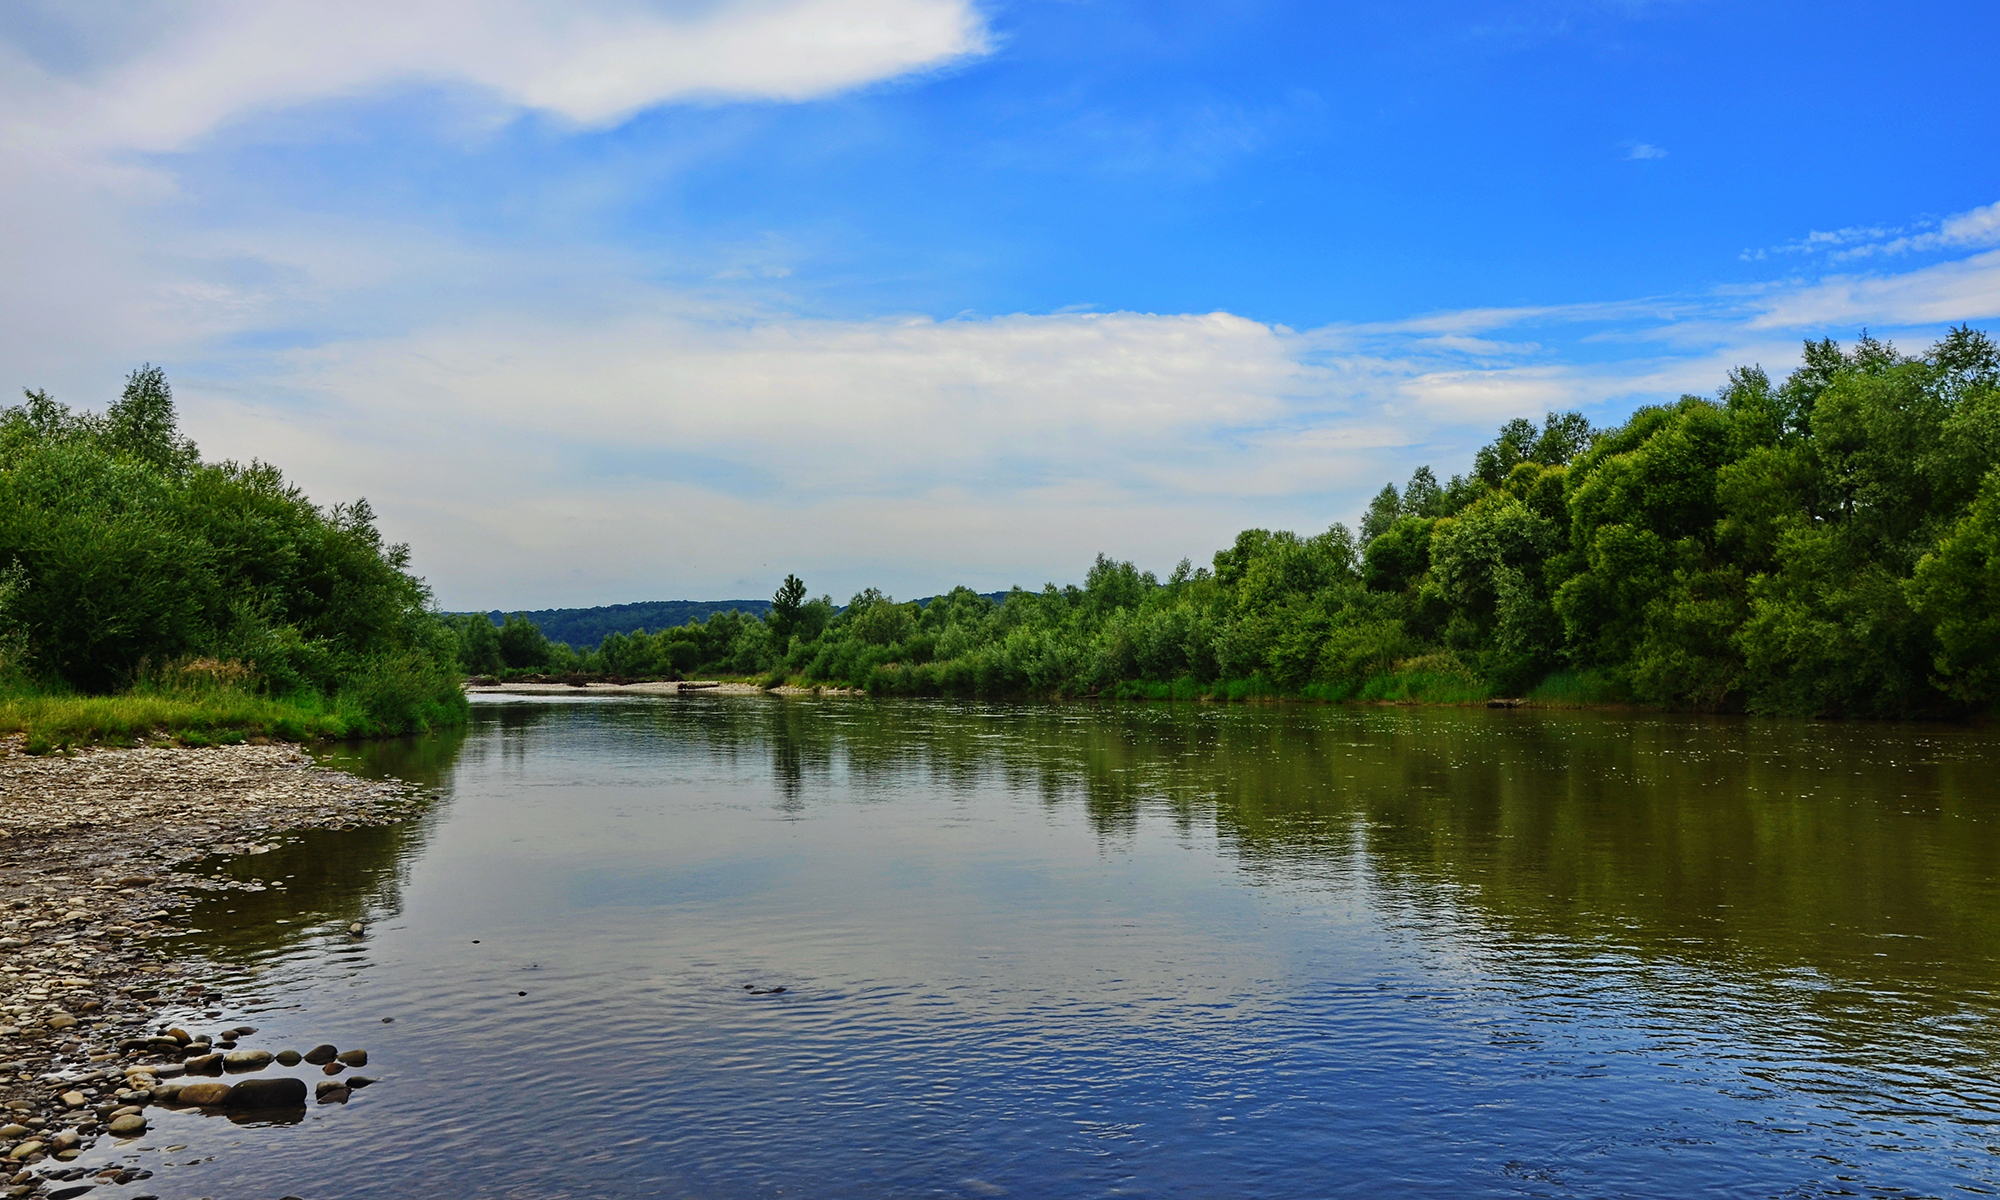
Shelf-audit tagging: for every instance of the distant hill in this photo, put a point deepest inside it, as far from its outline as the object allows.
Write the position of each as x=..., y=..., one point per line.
x=583, y=628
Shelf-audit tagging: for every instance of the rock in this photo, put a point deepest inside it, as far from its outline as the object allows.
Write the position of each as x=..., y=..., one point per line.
x=247, y=1060
x=66, y=1139
x=358, y=1081
x=24, y=1150
x=130, y=1125
x=289, y=1058
x=331, y=1091
x=62, y=1021
x=243, y=1031
x=204, y=1064
x=334, y=1068
x=74, y=1099
x=282, y=1092
x=357, y=929
x=205, y=1093
x=168, y=1093
x=353, y=1058
x=322, y=1053
x=180, y=1035
x=13, y=1131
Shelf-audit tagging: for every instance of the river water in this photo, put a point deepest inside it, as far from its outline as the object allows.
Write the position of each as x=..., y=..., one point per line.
x=1147, y=951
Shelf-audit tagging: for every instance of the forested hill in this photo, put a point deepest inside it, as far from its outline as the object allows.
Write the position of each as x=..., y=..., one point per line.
x=586, y=627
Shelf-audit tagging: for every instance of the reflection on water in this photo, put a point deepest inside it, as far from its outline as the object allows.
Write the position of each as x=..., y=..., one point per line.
x=1149, y=950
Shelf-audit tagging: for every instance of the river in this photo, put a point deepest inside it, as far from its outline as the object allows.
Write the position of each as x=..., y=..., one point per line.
x=1143, y=950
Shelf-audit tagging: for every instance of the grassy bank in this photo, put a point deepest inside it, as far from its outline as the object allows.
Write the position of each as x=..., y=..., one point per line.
x=213, y=716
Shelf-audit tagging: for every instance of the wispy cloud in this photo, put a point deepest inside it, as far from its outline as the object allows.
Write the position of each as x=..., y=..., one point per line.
x=1638, y=151
x=1972, y=229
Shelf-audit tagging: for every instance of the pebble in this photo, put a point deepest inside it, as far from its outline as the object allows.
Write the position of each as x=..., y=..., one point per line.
x=13, y=1131
x=331, y=1091
x=203, y=1064
x=322, y=1053
x=74, y=1099
x=358, y=1081
x=289, y=1058
x=353, y=1058
x=130, y=1125
x=334, y=1068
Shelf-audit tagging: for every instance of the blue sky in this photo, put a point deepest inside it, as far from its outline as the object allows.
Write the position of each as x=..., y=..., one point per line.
x=616, y=300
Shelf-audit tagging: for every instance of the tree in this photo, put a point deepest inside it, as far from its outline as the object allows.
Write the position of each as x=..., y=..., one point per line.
x=787, y=604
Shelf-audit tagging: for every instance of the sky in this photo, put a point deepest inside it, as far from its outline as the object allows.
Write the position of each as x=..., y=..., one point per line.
x=599, y=301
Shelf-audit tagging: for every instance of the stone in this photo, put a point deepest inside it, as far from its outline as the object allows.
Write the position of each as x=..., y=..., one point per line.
x=13, y=1131
x=282, y=1092
x=322, y=1053
x=24, y=1150
x=247, y=1060
x=353, y=1058
x=180, y=1035
x=330, y=1091
x=334, y=1068
x=243, y=1031
x=74, y=1099
x=168, y=1093
x=205, y=1093
x=204, y=1064
x=66, y=1139
x=358, y=1081
x=62, y=1021
x=357, y=929
x=130, y=1125
x=289, y=1058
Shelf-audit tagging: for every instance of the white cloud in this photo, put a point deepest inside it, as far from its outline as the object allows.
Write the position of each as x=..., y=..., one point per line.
x=1640, y=151
x=1974, y=228
x=197, y=66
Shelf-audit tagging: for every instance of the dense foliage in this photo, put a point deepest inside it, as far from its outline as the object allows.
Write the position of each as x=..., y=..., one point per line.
x=1826, y=545
x=128, y=563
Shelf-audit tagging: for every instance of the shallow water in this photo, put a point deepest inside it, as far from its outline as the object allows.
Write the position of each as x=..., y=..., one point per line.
x=1162, y=951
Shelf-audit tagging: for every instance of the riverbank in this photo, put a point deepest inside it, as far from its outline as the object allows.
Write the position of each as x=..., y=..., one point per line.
x=96, y=851
x=687, y=687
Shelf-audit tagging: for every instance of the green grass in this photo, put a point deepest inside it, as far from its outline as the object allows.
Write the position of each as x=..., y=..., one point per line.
x=1578, y=689
x=219, y=715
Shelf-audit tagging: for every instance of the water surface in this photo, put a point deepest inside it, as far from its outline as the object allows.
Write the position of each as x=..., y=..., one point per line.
x=1155, y=951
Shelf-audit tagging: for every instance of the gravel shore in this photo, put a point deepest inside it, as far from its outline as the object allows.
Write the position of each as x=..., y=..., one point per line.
x=94, y=851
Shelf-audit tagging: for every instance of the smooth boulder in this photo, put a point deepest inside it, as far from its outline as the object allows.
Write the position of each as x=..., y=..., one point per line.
x=128, y=1126
x=268, y=1093
x=205, y=1094
x=246, y=1060
x=321, y=1054
x=353, y=1058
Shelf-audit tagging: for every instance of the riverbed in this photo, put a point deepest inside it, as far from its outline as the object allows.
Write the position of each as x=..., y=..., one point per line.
x=766, y=947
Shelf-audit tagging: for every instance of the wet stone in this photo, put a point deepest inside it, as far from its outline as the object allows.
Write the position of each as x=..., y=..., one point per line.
x=323, y=1053
x=247, y=1060
x=131, y=1125
x=353, y=1058
x=205, y=1093
x=289, y=1058
x=283, y=1092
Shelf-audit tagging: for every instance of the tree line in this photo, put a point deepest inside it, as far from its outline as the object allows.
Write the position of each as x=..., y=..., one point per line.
x=1828, y=544
x=129, y=563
